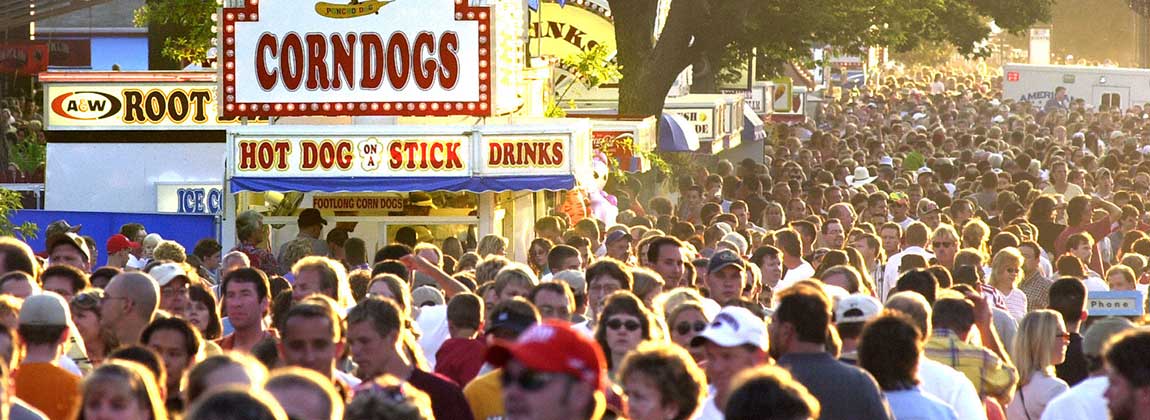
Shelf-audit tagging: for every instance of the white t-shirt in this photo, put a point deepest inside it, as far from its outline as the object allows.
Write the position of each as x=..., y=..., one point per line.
x=1082, y=401
x=710, y=411
x=952, y=387
x=802, y=272
x=432, y=321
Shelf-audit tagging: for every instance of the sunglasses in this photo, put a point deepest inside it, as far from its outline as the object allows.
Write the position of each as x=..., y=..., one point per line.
x=684, y=328
x=528, y=380
x=943, y=244
x=88, y=300
x=616, y=324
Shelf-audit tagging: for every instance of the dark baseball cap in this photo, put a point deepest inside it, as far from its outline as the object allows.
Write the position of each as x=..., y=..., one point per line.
x=616, y=235
x=510, y=320
x=724, y=258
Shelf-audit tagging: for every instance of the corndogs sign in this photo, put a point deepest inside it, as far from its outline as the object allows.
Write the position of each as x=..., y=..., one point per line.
x=365, y=57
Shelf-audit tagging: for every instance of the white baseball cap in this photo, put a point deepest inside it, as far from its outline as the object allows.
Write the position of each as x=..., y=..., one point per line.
x=856, y=308
x=734, y=326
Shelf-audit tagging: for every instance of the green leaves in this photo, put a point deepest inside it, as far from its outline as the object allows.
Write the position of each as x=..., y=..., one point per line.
x=193, y=18
x=593, y=66
x=10, y=202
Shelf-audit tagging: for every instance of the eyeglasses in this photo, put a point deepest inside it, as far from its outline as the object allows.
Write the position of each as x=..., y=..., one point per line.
x=616, y=324
x=1064, y=336
x=939, y=244
x=684, y=328
x=528, y=380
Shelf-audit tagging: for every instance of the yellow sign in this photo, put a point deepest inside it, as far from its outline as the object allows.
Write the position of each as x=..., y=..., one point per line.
x=353, y=9
x=568, y=30
x=781, y=95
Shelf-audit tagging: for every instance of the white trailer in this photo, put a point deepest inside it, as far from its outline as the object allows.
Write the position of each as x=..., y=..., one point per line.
x=1110, y=86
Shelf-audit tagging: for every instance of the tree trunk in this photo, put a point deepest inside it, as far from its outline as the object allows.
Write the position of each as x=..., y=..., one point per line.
x=705, y=76
x=649, y=68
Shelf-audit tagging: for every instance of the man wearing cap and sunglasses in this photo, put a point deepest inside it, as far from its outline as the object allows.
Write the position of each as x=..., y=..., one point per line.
x=551, y=372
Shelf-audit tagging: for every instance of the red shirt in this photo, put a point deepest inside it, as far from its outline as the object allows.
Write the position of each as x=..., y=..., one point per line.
x=1097, y=230
x=460, y=359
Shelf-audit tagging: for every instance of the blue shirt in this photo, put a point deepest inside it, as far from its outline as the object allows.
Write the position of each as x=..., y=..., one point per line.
x=913, y=404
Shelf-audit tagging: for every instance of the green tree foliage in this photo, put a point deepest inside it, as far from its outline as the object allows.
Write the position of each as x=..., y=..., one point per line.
x=711, y=33
x=193, y=18
x=10, y=202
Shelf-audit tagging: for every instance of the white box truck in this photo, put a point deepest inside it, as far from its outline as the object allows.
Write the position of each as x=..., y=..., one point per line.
x=1111, y=86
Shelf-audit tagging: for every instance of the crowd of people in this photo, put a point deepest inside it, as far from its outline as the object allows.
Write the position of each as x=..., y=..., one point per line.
x=21, y=124
x=923, y=249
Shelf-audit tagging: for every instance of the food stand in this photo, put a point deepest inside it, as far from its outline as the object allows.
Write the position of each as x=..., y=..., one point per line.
x=375, y=61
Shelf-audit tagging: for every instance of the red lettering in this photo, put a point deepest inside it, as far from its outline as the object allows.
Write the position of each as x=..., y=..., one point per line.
x=344, y=150
x=453, y=159
x=372, y=62
x=435, y=155
x=316, y=68
x=265, y=47
x=342, y=62
x=247, y=156
x=310, y=158
x=282, y=149
x=448, y=60
x=425, y=67
x=423, y=155
x=398, y=60
x=395, y=151
x=267, y=158
x=557, y=153
x=291, y=61
x=494, y=154
x=411, y=149
x=508, y=154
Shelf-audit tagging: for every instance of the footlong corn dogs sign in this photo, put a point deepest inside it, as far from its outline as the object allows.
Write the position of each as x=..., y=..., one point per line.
x=362, y=57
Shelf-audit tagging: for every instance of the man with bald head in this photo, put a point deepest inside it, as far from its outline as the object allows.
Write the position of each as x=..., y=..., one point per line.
x=130, y=303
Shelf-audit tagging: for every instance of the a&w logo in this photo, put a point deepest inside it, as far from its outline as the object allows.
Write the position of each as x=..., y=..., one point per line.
x=86, y=105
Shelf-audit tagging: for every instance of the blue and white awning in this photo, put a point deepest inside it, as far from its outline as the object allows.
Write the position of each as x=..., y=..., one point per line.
x=752, y=125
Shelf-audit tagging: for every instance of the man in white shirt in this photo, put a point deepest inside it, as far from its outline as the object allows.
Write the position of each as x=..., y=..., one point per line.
x=917, y=236
x=797, y=268
x=1086, y=400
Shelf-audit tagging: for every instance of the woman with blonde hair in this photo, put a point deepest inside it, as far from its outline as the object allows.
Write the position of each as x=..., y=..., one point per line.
x=976, y=234
x=1039, y=345
x=491, y=244
x=121, y=390
x=1005, y=274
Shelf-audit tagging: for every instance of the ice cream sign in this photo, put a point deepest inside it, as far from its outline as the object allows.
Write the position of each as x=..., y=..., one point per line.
x=366, y=57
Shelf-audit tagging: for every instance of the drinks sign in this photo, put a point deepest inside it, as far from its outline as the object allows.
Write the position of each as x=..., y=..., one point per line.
x=366, y=57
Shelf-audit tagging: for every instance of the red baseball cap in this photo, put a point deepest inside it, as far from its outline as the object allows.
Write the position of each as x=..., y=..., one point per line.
x=119, y=242
x=552, y=346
